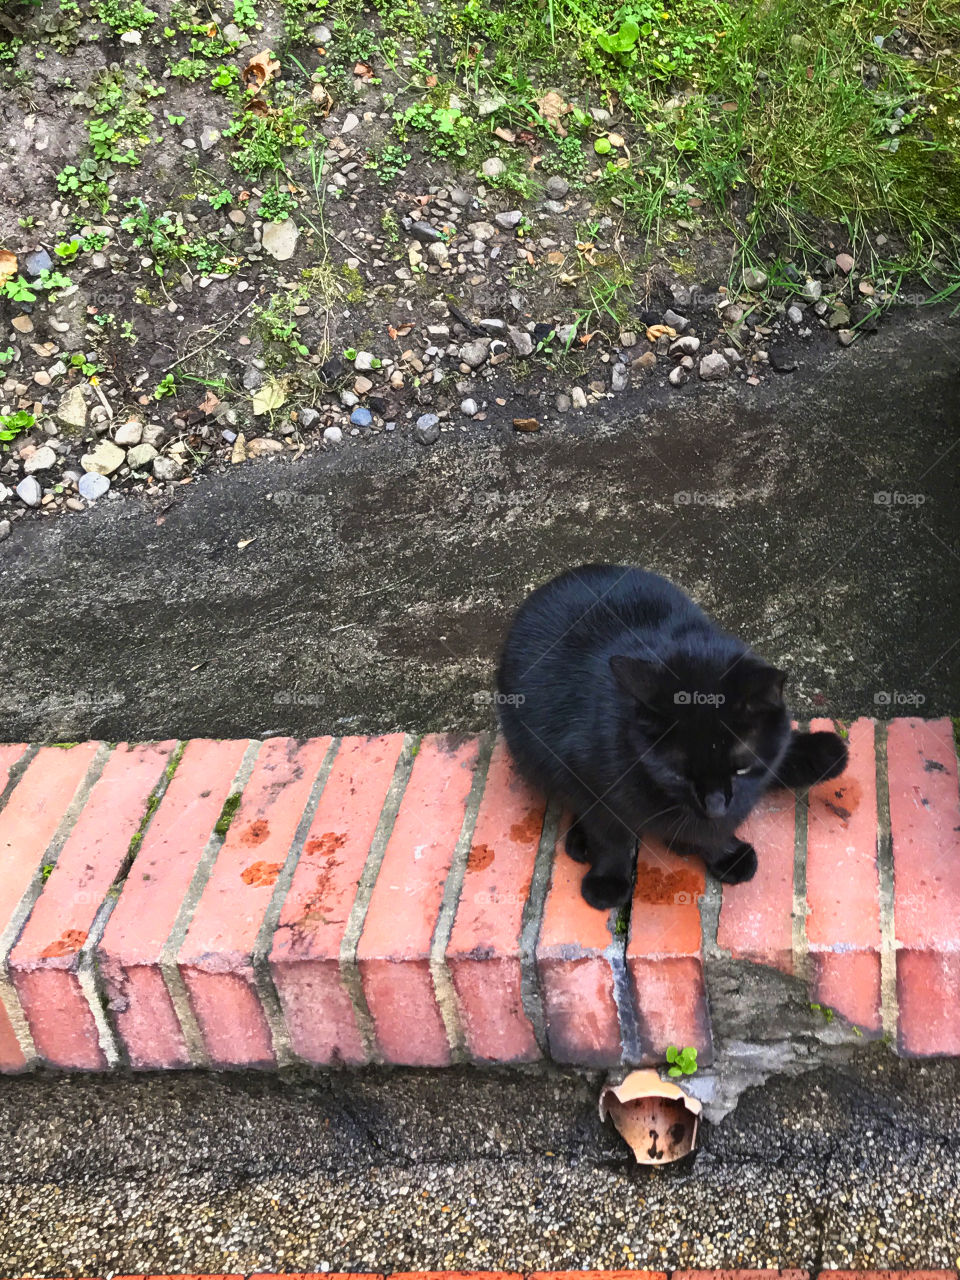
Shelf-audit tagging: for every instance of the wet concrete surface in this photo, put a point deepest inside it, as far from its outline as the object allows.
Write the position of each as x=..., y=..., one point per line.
x=465, y=1169
x=381, y=578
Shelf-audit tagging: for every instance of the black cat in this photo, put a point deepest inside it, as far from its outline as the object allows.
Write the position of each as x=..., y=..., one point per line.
x=622, y=698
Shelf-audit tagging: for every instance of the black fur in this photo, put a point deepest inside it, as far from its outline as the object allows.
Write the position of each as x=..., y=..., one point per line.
x=622, y=698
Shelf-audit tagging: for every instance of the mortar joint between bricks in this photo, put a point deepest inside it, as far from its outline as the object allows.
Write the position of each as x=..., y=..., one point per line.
x=89, y=977
x=349, y=969
x=889, y=1014
x=169, y=968
x=442, y=980
x=16, y=772
x=531, y=994
x=263, y=979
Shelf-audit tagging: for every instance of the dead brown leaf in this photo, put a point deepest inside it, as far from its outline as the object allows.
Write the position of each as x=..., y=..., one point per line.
x=363, y=70
x=507, y=135
x=209, y=402
x=260, y=70
x=322, y=98
x=660, y=331
x=527, y=424
x=552, y=107
x=8, y=265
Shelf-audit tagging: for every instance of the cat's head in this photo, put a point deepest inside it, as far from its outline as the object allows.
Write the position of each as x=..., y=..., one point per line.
x=710, y=731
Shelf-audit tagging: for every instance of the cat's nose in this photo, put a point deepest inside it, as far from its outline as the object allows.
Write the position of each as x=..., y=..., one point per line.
x=715, y=804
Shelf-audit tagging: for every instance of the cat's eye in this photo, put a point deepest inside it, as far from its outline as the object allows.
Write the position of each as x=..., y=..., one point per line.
x=741, y=772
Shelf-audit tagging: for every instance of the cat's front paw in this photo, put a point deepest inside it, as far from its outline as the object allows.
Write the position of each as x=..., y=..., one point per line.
x=575, y=843
x=605, y=891
x=737, y=864
x=826, y=755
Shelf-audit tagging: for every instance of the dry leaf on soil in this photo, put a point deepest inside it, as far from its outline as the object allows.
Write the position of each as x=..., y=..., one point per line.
x=269, y=397
x=260, y=70
x=8, y=265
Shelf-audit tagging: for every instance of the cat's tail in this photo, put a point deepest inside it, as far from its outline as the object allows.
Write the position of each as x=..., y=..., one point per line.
x=811, y=758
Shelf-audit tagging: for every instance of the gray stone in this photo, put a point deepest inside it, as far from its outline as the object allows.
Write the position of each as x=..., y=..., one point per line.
x=279, y=239
x=578, y=398
x=208, y=137
x=685, y=346
x=105, y=458
x=309, y=416
x=557, y=187
x=252, y=378
x=427, y=428
x=29, y=491
x=482, y=230
x=72, y=409
x=364, y=361
x=5, y=527
x=141, y=455
x=490, y=103
x=493, y=326
x=460, y=197
x=846, y=336
x=713, y=366
x=732, y=356
x=619, y=377
x=522, y=341
x=493, y=167
x=678, y=376
x=350, y=123
x=333, y=435
x=794, y=314
x=438, y=253
x=563, y=403
x=839, y=317
x=475, y=353
x=426, y=234
x=42, y=460
x=167, y=468
x=811, y=291
x=508, y=220
x=37, y=261
x=468, y=407
x=754, y=279
x=129, y=433
x=93, y=486
x=676, y=321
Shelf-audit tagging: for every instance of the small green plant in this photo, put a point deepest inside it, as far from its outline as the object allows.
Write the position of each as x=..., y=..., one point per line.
x=123, y=15
x=684, y=1060
x=244, y=13
x=276, y=205
x=68, y=249
x=221, y=198
x=6, y=357
x=230, y=806
x=825, y=1012
x=12, y=424
x=165, y=387
x=17, y=290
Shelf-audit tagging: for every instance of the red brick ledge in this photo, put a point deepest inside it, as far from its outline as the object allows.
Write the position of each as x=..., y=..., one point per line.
x=229, y=904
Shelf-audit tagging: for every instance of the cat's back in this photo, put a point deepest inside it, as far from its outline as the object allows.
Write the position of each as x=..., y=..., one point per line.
x=595, y=603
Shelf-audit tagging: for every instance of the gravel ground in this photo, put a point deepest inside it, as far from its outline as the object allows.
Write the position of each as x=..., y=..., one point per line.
x=460, y=1169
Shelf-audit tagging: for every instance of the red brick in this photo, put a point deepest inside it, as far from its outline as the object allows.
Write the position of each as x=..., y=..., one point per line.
x=28, y=822
x=664, y=952
x=216, y=958
x=787, y=1273
x=305, y=958
x=461, y=1275
x=597, y=1275
x=44, y=963
x=317, y=1275
x=888, y=1275
x=137, y=931
x=925, y=833
x=483, y=954
x=575, y=970
x=393, y=954
x=843, y=883
x=756, y=918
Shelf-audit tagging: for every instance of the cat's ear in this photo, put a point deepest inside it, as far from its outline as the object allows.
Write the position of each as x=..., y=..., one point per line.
x=763, y=686
x=636, y=677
